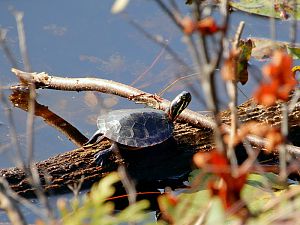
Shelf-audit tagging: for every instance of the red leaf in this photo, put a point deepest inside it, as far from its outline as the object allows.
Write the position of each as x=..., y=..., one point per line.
x=281, y=80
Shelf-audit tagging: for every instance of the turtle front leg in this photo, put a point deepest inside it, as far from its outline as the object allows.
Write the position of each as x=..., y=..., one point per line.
x=104, y=156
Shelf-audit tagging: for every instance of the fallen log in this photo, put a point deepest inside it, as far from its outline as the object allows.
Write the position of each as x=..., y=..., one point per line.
x=68, y=168
x=59, y=172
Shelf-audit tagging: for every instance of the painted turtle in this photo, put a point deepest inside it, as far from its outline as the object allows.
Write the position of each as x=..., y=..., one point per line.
x=137, y=128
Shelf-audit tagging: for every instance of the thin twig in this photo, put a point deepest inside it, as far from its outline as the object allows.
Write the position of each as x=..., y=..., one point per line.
x=233, y=94
x=75, y=188
x=128, y=184
x=22, y=40
x=6, y=49
x=160, y=41
x=18, y=159
x=177, y=80
x=37, y=210
x=238, y=34
x=165, y=45
x=32, y=95
x=293, y=28
x=30, y=168
x=169, y=13
x=19, y=98
x=282, y=150
x=294, y=101
x=161, y=52
x=202, y=46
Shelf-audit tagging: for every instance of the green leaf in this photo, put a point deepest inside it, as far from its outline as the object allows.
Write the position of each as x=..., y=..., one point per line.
x=216, y=214
x=104, y=189
x=95, y=209
x=205, y=177
x=188, y=208
x=294, y=51
x=245, y=47
x=266, y=180
x=138, y=210
x=266, y=8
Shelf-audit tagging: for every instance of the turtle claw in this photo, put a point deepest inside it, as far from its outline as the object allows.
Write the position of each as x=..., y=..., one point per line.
x=103, y=156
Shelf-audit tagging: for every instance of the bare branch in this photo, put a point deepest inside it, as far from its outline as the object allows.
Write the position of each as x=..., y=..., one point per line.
x=22, y=39
x=232, y=93
x=6, y=49
x=43, y=80
x=20, y=99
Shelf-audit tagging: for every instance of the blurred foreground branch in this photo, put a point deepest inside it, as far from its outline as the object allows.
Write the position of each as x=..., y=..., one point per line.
x=9, y=204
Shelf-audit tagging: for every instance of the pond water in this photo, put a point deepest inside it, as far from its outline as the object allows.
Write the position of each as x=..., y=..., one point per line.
x=76, y=39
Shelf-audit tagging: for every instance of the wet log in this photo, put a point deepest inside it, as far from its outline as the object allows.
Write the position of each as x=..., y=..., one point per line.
x=57, y=172
x=65, y=169
x=150, y=168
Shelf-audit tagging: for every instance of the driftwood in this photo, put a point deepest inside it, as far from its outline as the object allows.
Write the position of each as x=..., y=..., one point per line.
x=67, y=169
x=167, y=168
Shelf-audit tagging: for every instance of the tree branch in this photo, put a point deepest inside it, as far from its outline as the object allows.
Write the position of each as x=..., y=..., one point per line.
x=43, y=80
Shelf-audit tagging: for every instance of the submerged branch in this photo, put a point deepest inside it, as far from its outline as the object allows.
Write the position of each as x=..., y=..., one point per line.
x=20, y=100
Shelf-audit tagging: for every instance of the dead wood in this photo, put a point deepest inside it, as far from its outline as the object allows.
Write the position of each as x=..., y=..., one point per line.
x=44, y=80
x=66, y=169
x=60, y=171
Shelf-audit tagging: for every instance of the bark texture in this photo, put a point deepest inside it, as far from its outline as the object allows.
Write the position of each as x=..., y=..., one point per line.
x=159, y=168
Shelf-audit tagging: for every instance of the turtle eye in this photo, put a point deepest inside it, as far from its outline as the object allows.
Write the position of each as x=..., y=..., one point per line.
x=179, y=104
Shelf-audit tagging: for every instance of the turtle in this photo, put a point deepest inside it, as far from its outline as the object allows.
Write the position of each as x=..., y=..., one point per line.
x=135, y=129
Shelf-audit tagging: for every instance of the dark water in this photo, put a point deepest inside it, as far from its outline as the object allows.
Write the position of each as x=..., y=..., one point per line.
x=76, y=39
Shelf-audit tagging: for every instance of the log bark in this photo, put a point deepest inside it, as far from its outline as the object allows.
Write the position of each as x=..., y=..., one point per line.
x=68, y=168
x=164, y=167
x=44, y=80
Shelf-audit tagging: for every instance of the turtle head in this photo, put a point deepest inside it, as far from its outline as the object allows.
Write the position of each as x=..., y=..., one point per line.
x=179, y=103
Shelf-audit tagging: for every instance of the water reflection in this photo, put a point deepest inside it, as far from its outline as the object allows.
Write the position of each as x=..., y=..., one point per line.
x=20, y=99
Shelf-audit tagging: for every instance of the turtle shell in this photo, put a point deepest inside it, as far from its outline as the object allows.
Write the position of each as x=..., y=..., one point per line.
x=136, y=127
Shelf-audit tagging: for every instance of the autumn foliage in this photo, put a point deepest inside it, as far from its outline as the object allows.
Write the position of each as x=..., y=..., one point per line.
x=272, y=134
x=206, y=26
x=229, y=187
x=280, y=80
x=235, y=67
